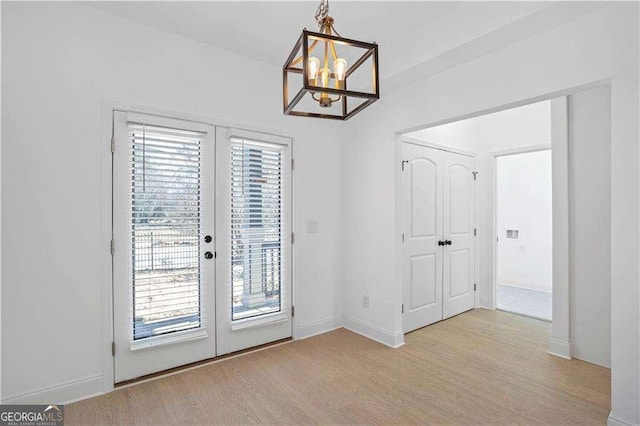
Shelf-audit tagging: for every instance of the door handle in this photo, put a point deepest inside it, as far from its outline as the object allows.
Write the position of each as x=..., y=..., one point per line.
x=208, y=255
x=207, y=238
x=448, y=242
x=440, y=243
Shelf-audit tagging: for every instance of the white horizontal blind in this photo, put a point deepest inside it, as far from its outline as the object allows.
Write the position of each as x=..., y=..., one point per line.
x=165, y=229
x=256, y=228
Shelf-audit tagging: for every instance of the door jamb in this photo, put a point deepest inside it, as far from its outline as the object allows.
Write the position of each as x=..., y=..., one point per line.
x=439, y=146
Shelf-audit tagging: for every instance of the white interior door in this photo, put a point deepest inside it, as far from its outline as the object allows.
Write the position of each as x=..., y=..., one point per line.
x=163, y=214
x=253, y=187
x=423, y=200
x=439, y=257
x=459, y=222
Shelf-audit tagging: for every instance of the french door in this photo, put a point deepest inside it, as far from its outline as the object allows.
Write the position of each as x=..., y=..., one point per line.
x=254, y=222
x=163, y=223
x=201, y=242
x=438, y=255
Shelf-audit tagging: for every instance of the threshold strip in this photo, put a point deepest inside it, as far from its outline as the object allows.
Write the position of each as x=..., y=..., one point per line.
x=198, y=364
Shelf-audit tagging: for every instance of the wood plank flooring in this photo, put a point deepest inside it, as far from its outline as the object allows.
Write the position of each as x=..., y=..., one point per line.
x=481, y=367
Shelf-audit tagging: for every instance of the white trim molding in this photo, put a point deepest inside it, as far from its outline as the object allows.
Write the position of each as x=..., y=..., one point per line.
x=314, y=328
x=63, y=393
x=561, y=181
x=373, y=332
x=521, y=150
x=434, y=145
x=559, y=348
x=614, y=421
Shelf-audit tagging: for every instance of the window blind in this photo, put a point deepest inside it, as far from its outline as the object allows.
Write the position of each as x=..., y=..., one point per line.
x=165, y=229
x=256, y=228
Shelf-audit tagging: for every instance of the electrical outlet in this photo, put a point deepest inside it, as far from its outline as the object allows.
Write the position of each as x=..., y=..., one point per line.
x=365, y=301
x=312, y=227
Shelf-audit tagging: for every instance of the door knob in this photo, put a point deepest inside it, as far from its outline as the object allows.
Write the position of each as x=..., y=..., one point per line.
x=208, y=255
x=448, y=242
x=207, y=238
x=440, y=243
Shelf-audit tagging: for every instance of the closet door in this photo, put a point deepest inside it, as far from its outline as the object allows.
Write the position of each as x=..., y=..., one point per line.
x=459, y=222
x=422, y=257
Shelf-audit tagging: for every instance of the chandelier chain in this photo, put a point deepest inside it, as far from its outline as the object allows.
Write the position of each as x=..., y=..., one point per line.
x=322, y=12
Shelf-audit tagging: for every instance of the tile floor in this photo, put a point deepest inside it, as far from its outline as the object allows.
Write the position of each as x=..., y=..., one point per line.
x=533, y=303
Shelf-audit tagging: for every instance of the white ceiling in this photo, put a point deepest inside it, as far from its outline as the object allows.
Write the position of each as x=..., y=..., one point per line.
x=267, y=31
x=414, y=36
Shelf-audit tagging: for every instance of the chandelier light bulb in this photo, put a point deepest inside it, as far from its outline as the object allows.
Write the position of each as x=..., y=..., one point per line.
x=325, y=76
x=340, y=70
x=313, y=65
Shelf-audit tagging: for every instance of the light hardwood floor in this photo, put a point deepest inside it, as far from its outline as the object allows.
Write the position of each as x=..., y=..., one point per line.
x=481, y=367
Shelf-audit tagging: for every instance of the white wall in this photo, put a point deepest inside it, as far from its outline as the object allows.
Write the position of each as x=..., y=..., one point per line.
x=59, y=62
x=523, y=126
x=523, y=195
x=590, y=219
x=600, y=46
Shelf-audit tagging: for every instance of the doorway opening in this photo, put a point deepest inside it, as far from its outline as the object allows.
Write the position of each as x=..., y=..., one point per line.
x=575, y=131
x=524, y=242
x=504, y=136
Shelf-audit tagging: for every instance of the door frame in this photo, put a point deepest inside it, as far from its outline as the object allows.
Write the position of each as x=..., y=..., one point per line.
x=402, y=207
x=106, y=214
x=494, y=233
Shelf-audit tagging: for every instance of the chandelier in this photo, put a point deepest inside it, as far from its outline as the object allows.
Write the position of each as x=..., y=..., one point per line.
x=318, y=72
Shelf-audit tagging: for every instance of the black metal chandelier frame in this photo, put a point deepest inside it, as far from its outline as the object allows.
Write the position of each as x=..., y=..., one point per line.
x=307, y=41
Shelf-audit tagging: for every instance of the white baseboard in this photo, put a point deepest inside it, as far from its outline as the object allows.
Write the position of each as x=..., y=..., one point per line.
x=314, y=328
x=373, y=332
x=527, y=286
x=64, y=393
x=559, y=348
x=597, y=360
x=613, y=421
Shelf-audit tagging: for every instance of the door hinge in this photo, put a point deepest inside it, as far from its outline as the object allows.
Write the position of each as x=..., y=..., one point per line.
x=403, y=163
x=215, y=254
x=113, y=348
x=475, y=231
x=475, y=175
x=112, y=247
x=293, y=311
x=403, y=308
x=113, y=145
x=474, y=287
x=403, y=237
x=293, y=164
x=293, y=237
